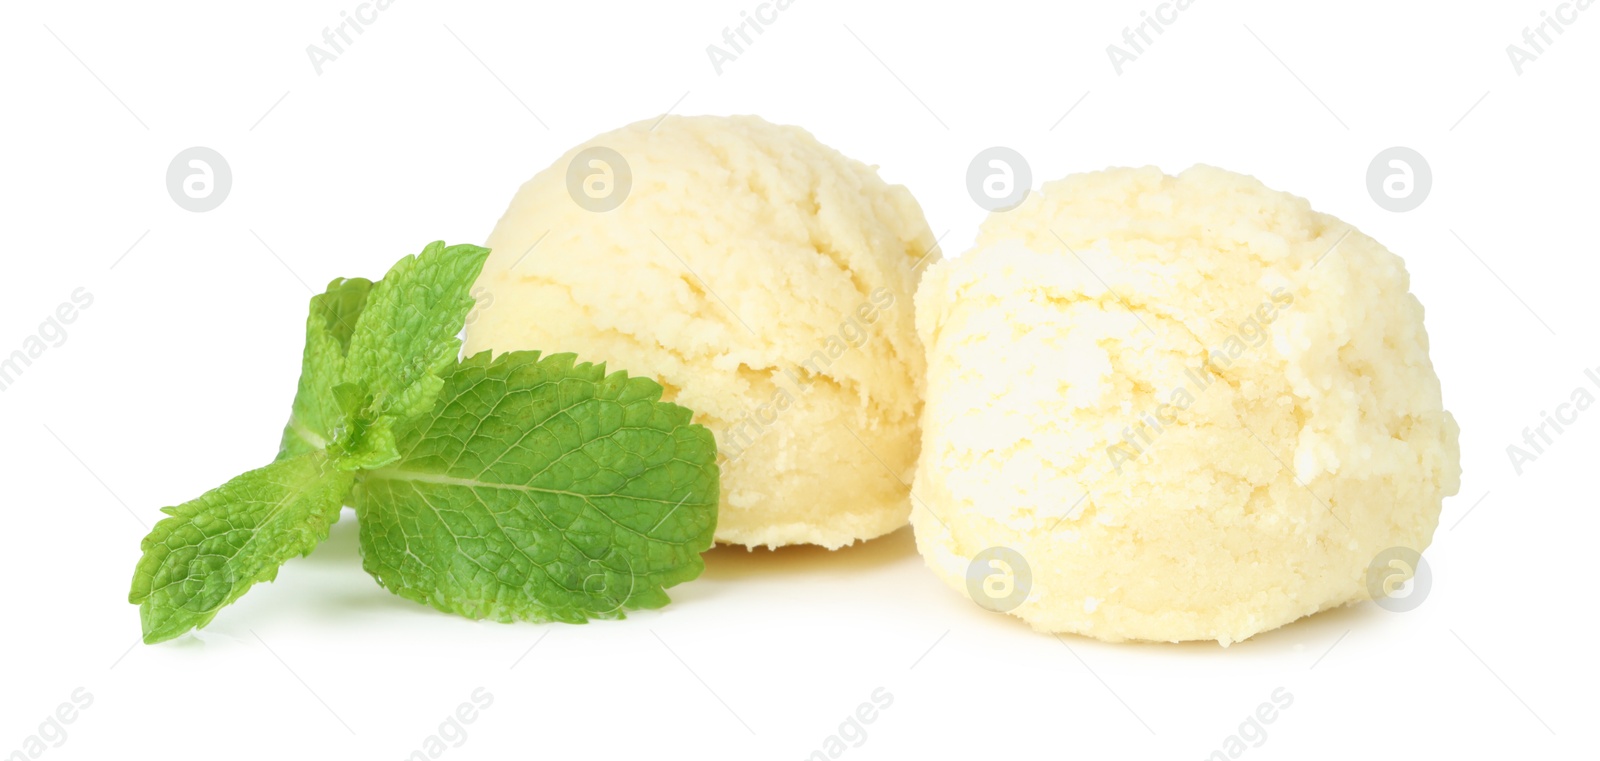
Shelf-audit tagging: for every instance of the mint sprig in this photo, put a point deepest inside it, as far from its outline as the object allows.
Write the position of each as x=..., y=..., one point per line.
x=514, y=487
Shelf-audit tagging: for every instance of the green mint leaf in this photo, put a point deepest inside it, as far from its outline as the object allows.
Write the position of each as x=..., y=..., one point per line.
x=407, y=335
x=541, y=490
x=214, y=548
x=317, y=415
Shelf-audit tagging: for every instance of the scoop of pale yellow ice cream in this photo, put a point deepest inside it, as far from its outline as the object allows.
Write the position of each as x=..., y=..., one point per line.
x=764, y=279
x=1189, y=408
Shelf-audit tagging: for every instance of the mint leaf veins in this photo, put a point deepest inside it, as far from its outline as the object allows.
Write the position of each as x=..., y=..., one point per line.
x=541, y=490
x=212, y=549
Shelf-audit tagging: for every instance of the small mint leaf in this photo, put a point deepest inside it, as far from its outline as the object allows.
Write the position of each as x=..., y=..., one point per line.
x=214, y=548
x=317, y=414
x=407, y=334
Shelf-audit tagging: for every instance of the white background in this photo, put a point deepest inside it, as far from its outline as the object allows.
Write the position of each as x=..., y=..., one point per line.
x=180, y=374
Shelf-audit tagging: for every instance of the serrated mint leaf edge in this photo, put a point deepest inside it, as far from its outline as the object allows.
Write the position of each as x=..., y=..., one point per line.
x=652, y=596
x=160, y=621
